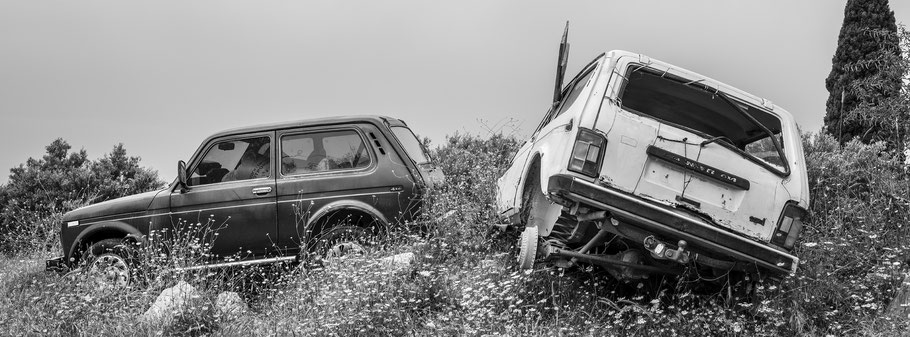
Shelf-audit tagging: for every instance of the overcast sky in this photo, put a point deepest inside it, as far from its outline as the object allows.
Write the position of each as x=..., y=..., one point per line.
x=159, y=76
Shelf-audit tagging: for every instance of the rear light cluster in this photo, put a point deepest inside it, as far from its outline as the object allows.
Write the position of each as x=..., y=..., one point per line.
x=587, y=153
x=789, y=226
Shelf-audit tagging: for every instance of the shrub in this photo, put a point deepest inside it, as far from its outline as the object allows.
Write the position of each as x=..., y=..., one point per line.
x=40, y=191
x=854, y=249
x=463, y=280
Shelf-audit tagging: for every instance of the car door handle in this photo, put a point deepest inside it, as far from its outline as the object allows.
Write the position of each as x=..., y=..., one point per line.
x=262, y=190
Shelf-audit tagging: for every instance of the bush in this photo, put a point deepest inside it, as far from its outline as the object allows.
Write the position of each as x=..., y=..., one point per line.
x=40, y=191
x=854, y=250
x=463, y=280
x=464, y=208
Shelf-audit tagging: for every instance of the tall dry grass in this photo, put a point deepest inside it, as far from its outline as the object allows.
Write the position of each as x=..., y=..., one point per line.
x=463, y=280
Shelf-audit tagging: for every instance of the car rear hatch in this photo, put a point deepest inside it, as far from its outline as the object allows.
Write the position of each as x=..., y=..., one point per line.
x=699, y=149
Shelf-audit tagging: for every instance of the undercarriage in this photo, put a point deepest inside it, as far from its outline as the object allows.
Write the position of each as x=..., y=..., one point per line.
x=581, y=236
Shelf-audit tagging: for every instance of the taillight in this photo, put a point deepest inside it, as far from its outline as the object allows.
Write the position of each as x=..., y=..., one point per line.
x=789, y=225
x=587, y=153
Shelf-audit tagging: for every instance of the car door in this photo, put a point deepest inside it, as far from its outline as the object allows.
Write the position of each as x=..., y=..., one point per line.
x=332, y=168
x=231, y=192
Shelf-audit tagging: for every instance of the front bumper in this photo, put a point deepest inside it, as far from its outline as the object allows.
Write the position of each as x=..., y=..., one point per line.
x=57, y=264
x=669, y=222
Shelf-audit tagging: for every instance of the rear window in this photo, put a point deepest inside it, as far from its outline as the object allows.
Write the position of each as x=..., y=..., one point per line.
x=701, y=109
x=411, y=144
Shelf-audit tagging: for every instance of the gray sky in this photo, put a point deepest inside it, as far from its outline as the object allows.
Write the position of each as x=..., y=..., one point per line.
x=159, y=76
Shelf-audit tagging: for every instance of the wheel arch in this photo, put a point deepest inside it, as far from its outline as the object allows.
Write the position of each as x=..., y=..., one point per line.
x=345, y=208
x=550, y=212
x=101, y=231
x=533, y=163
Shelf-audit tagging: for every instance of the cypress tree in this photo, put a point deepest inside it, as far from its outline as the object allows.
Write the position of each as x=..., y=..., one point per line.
x=860, y=72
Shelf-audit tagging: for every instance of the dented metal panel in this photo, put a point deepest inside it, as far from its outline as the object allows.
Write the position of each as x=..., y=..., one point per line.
x=727, y=158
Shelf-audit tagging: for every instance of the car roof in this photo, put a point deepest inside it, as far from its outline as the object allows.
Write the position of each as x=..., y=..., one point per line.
x=373, y=119
x=750, y=98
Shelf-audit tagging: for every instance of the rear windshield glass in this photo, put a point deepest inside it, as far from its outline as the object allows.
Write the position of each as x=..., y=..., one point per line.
x=411, y=144
x=700, y=109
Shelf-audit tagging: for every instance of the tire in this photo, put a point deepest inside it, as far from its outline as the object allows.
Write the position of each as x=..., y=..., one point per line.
x=532, y=200
x=111, y=262
x=527, y=248
x=529, y=195
x=344, y=240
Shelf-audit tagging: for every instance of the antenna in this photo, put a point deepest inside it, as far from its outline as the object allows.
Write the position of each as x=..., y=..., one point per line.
x=561, y=63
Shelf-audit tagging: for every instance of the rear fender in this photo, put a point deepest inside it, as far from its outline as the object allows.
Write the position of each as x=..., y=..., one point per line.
x=343, y=205
x=549, y=212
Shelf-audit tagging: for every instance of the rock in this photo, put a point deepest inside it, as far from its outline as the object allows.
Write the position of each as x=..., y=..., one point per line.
x=487, y=264
x=172, y=302
x=900, y=305
x=445, y=216
x=399, y=261
x=230, y=305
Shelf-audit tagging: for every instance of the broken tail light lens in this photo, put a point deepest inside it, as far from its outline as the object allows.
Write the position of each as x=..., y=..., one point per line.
x=587, y=153
x=789, y=226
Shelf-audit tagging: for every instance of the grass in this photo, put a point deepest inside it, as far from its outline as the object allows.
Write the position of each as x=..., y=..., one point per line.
x=463, y=280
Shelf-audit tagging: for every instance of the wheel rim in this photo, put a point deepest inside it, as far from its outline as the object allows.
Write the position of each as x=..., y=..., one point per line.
x=346, y=248
x=111, y=269
x=527, y=252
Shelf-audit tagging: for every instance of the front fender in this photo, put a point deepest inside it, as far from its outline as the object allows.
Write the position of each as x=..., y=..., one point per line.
x=110, y=229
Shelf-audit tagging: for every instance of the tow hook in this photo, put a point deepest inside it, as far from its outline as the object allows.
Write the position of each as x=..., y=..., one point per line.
x=660, y=250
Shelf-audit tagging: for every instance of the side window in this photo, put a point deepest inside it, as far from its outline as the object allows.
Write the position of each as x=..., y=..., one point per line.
x=233, y=160
x=322, y=152
x=572, y=96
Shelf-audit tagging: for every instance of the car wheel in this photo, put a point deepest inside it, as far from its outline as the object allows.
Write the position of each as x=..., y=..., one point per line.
x=534, y=215
x=527, y=248
x=342, y=241
x=110, y=262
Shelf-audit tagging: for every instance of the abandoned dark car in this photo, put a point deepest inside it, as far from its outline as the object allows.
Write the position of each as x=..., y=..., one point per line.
x=272, y=192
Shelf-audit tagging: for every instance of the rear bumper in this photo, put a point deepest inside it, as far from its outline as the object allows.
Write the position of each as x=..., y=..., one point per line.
x=57, y=264
x=674, y=224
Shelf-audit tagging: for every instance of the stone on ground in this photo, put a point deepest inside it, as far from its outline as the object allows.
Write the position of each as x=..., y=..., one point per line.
x=399, y=261
x=900, y=305
x=171, y=303
x=230, y=305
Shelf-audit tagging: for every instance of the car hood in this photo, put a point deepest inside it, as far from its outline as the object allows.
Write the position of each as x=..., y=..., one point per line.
x=134, y=203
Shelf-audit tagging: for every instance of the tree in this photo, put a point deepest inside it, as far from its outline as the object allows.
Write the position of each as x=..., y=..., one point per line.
x=121, y=175
x=862, y=72
x=41, y=190
x=41, y=186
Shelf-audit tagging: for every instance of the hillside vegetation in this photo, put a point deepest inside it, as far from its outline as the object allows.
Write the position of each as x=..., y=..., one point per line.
x=463, y=280
x=40, y=190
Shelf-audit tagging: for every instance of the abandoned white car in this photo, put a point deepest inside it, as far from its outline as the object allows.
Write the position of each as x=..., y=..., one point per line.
x=644, y=168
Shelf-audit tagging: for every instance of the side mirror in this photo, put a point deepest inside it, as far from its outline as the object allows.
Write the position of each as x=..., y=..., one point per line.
x=181, y=174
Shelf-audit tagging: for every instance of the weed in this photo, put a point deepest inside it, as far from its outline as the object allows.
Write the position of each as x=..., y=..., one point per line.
x=463, y=280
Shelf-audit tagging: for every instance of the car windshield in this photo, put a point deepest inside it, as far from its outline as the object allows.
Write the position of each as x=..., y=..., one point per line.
x=704, y=110
x=411, y=144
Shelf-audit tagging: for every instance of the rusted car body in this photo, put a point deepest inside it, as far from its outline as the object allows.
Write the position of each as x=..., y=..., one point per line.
x=645, y=168
x=270, y=191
